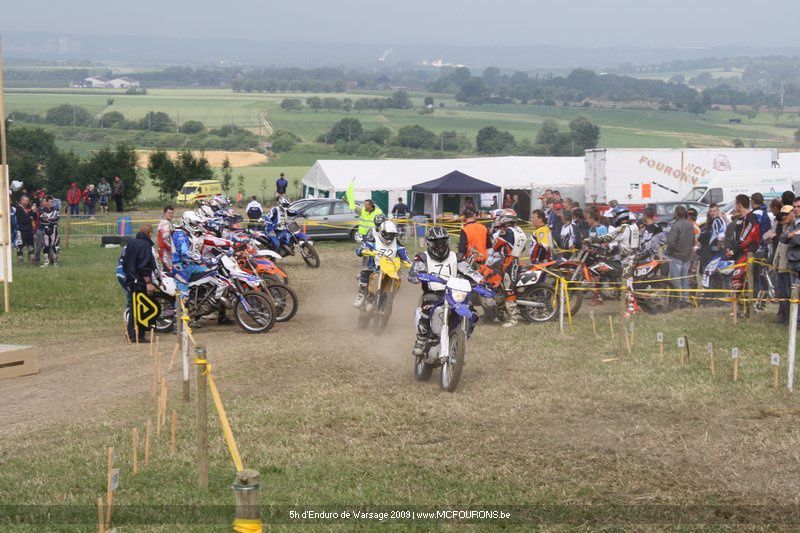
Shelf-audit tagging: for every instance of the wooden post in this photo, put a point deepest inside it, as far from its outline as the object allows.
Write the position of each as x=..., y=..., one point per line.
x=5, y=207
x=109, y=489
x=165, y=404
x=173, y=445
x=246, y=492
x=69, y=217
x=682, y=348
x=750, y=305
x=790, y=352
x=775, y=361
x=594, y=323
x=688, y=352
x=611, y=325
x=147, y=443
x=623, y=335
x=184, y=336
x=202, y=419
x=135, y=439
x=736, y=310
x=735, y=358
x=100, y=520
x=710, y=350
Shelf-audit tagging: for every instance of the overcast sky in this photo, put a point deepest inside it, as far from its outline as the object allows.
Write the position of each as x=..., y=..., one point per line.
x=662, y=23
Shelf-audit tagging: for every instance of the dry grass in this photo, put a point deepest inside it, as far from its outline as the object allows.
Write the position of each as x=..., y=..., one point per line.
x=216, y=157
x=332, y=416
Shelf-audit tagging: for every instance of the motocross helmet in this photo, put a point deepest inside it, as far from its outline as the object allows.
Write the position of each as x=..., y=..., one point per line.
x=379, y=220
x=284, y=202
x=387, y=232
x=219, y=203
x=438, y=243
x=205, y=212
x=191, y=222
x=505, y=221
x=620, y=215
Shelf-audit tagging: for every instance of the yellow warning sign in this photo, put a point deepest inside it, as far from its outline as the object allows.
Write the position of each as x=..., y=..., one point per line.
x=144, y=309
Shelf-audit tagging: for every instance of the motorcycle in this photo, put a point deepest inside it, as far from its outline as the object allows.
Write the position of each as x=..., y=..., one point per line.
x=451, y=323
x=284, y=299
x=227, y=286
x=283, y=240
x=381, y=288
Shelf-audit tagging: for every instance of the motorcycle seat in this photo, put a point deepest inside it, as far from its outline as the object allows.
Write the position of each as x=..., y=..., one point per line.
x=196, y=276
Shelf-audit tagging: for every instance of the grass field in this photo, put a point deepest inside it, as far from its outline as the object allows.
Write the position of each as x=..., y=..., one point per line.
x=332, y=418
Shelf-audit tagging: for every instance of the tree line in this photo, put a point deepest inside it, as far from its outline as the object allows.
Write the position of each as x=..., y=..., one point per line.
x=398, y=100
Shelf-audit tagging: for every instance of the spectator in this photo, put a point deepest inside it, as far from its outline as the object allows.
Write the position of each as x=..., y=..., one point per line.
x=542, y=245
x=515, y=206
x=474, y=237
x=26, y=220
x=103, y=191
x=74, y=196
x=508, y=201
x=580, y=224
x=118, y=192
x=494, y=202
x=164, y=238
x=555, y=222
x=138, y=267
x=596, y=227
x=791, y=237
x=652, y=236
x=400, y=209
x=712, y=238
x=746, y=238
x=568, y=240
x=254, y=210
x=680, y=242
x=786, y=220
x=280, y=186
x=38, y=235
x=89, y=200
x=239, y=199
x=787, y=198
x=48, y=220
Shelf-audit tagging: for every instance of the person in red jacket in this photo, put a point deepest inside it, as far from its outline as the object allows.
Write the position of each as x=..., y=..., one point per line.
x=74, y=196
x=746, y=239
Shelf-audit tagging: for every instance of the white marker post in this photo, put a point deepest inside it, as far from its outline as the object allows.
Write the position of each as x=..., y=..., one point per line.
x=792, y=336
x=775, y=361
x=184, y=332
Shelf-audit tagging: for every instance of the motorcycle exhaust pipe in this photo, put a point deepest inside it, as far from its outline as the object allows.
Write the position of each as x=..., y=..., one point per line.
x=226, y=303
x=528, y=303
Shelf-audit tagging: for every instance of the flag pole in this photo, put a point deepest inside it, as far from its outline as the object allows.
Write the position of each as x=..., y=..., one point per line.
x=5, y=207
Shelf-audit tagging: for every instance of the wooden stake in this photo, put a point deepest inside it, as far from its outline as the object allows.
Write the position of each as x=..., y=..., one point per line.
x=611, y=324
x=623, y=337
x=736, y=310
x=660, y=353
x=711, y=357
x=147, y=443
x=247, y=495
x=135, y=439
x=109, y=491
x=100, y=521
x=173, y=445
x=166, y=403
x=159, y=404
x=735, y=369
x=172, y=357
x=594, y=323
x=775, y=377
x=202, y=421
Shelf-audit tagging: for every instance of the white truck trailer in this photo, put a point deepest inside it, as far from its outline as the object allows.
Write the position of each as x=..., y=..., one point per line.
x=638, y=176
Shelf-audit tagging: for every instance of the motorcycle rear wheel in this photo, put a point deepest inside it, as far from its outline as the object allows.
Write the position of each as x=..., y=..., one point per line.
x=454, y=364
x=261, y=316
x=545, y=295
x=310, y=255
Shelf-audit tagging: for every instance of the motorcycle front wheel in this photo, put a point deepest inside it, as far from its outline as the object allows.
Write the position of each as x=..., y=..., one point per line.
x=454, y=363
x=284, y=300
x=383, y=313
x=422, y=370
x=165, y=321
x=541, y=294
x=254, y=312
x=310, y=255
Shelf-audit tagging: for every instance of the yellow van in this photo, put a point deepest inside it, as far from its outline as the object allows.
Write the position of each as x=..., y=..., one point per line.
x=194, y=191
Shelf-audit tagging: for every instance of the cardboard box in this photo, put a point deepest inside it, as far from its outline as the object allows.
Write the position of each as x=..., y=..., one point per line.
x=17, y=361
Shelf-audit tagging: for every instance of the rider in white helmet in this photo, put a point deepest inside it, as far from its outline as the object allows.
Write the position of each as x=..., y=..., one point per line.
x=381, y=239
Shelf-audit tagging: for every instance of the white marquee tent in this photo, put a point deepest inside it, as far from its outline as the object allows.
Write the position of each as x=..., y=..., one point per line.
x=397, y=176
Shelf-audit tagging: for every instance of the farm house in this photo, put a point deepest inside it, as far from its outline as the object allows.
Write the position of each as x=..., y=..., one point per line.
x=386, y=180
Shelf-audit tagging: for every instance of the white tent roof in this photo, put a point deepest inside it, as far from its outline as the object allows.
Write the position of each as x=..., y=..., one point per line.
x=790, y=161
x=392, y=174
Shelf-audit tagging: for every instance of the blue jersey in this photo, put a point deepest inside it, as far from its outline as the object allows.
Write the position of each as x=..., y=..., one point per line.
x=182, y=252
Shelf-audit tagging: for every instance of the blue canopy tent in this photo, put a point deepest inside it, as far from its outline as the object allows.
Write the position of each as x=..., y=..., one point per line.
x=455, y=182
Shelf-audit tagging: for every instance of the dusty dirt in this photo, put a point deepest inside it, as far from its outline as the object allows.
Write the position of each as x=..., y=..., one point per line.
x=216, y=157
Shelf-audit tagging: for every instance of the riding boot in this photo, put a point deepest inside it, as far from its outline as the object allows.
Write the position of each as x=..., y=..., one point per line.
x=633, y=306
x=222, y=318
x=361, y=296
x=512, y=314
x=423, y=331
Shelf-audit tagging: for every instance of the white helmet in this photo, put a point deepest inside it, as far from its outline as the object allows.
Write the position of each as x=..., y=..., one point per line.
x=219, y=202
x=191, y=222
x=205, y=212
x=387, y=232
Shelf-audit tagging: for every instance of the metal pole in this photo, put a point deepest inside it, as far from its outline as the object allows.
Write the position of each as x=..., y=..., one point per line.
x=5, y=207
x=792, y=335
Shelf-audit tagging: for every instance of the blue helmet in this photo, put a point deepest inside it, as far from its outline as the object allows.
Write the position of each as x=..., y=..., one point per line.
x=620, y=215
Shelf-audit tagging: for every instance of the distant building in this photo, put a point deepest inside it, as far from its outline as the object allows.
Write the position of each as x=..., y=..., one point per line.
x=99, y=82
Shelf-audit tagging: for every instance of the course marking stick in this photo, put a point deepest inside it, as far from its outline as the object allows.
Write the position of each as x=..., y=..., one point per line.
x=710, y=350
x=611, y=323
x=147, y=443
x=100, y=521
x=660, y=341
x=174, y=441
x=134, y=439
x=682, y=347
x=594, y=323
x=775, y=360
x=109, y=488
x=735, y=358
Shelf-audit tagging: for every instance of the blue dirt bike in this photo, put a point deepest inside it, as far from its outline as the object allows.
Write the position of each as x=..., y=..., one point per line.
x=282, y=240
x=452, y=321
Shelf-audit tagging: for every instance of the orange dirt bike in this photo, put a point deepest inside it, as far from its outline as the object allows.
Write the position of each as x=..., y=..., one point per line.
x=382, y=286
x=284, y=299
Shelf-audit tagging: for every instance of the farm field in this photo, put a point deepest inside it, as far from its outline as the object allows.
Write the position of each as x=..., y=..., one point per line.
x=331, y=416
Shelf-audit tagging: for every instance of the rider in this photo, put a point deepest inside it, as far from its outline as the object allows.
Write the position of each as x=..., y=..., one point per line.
x=625, y=236
x=746, y=239
x=279, y=213
x=474, y=236
x=508, y=246
x=439, y=261
x=187, y=262
x=382, y=240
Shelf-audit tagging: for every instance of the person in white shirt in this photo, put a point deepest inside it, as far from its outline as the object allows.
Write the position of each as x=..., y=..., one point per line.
x=254, y=210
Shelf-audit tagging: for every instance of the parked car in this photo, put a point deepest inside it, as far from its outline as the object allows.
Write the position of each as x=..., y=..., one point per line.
x=332, y=218
x=666, y=210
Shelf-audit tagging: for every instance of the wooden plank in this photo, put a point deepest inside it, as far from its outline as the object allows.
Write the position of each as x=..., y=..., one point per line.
x=17, y=361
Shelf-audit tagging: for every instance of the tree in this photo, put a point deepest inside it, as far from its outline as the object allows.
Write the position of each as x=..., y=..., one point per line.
x=240, y=182
x=416, y=137
x=362, y=104
x=738, y=143
x=548, y=132
x=347, y=105
x=379, y=135
x=226, y=173
x=283, y=141
x=347, y=129
x=291, y=104
x=192, y=127
x=429, y=101
x=491, y=76
x=164, y=173
x=400, y=100
x=193, y=168
x=584, y=132
x=157, y=121
x=564, y=145
x=490, y=140
x=331, y=103
x=473, y=91
x=696, y=107
x=112, y=119
x=68, y=115
x=122, y=161
x=314, y=102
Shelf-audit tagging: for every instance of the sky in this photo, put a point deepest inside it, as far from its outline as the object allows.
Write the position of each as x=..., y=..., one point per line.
x=582, y=23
